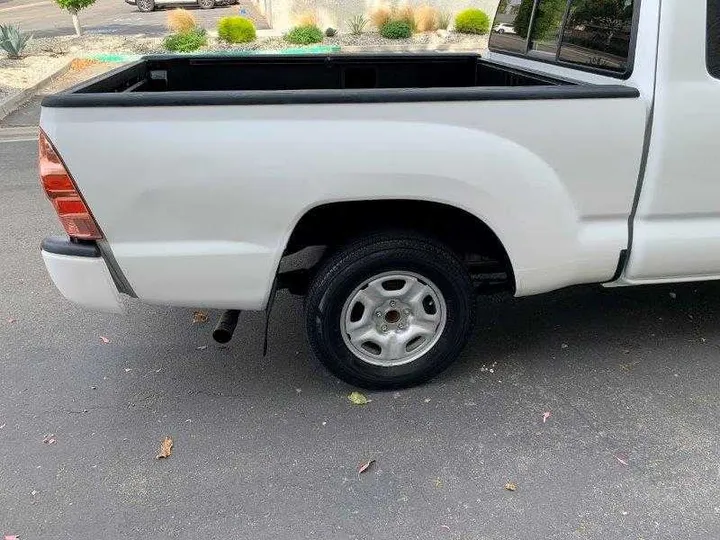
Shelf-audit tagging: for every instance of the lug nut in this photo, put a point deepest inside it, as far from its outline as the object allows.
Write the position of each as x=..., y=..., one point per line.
x=401, y=326
x=384, y=328
x=392, y=303
x=378, y=314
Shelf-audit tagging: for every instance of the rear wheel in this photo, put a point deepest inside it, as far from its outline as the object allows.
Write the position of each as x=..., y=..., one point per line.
x=389, y=311
x=145, y=5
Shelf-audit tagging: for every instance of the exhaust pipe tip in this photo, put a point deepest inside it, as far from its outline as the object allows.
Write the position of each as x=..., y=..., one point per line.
x=225, y=327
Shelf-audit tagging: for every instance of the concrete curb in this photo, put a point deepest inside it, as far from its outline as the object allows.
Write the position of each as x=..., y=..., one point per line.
x=15, y=101
x=21, y=133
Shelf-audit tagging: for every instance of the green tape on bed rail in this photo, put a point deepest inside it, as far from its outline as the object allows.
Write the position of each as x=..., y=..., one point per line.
x=318, y=49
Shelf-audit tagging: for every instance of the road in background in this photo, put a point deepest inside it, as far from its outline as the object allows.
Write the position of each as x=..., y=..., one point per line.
x=44, y=18
x=270, y=447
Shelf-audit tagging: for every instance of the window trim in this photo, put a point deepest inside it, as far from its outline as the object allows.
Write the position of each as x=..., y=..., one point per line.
x=712, y=40
x=580, y=67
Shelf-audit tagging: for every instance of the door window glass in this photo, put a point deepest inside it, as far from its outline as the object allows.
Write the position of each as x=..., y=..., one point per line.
x=597, y=34
x=713, y=37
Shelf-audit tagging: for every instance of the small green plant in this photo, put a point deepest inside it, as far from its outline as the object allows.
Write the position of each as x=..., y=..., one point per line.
x=304, y=35
x=73, y=7
x=472, y=21
x=357, y=24
x=236, y=30
x=444, y=19
x=12, y=40
x=330, y=32
x=188, y=41
x=396, y=30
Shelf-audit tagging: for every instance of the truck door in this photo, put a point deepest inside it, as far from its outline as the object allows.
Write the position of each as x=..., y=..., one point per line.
x=676, y=229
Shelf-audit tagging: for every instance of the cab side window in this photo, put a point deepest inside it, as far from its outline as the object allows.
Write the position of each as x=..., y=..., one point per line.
x=593, y=34
x=597, y=34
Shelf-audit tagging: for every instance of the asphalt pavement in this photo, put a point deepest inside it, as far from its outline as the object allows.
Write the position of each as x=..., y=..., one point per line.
x=44, y=18
x=270, y=447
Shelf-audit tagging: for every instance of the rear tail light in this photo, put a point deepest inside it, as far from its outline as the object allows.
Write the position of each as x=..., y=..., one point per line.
x=60, y=188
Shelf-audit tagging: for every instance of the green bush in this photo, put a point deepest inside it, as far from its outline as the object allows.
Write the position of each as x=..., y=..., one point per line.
x=304, y=35
x=188, y=41
x=330, y=32
x=236, y=30
x=472, y=21
x=396, y=30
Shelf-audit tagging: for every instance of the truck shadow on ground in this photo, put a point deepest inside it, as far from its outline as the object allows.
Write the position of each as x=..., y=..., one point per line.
x=581, y=329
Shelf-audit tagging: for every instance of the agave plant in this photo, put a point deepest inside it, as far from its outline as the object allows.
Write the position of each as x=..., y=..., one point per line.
x=357, y=24
x=12, y=40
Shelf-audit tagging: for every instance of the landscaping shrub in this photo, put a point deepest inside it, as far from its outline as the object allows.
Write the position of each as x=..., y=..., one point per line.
x=12, y=40
x=380, y=15
x=186, y=41
x=181, y=20
x=357, y=24
x=444, y=19
x=236, y=29
x=396, y=30
x=472, y=21
x=406, y=13
x=304, y=35
x=426, y=19
x=308, y=18
x=330, y=32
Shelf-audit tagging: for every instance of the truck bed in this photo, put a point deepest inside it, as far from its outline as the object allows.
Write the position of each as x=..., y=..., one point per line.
x=202, y=80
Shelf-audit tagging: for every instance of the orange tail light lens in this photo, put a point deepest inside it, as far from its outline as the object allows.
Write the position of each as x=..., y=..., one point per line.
x=60, y=188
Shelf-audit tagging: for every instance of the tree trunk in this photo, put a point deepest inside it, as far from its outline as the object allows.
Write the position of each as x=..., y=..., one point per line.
x=76, y=22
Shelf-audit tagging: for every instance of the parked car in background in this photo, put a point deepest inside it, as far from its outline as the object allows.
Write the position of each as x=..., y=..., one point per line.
x=504, y=28
x=150, y=5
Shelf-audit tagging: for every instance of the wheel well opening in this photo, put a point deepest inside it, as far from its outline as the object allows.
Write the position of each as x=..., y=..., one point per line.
x=333, y=225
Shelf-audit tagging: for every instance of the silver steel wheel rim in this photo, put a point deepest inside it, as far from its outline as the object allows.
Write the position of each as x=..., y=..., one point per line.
x=393, y=318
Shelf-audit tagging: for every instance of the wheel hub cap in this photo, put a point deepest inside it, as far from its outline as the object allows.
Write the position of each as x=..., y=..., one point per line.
x=393, y=318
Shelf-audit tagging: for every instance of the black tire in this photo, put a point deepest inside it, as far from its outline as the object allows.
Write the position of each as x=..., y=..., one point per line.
x=347, y=269
x=146, y=6
x=206, y=4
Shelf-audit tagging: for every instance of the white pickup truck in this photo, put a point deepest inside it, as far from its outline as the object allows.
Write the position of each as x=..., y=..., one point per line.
x=583, y=148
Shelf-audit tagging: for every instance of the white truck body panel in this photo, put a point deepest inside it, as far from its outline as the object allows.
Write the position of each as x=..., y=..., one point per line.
x=197, y=203
x=207, y=226
x=677, y=226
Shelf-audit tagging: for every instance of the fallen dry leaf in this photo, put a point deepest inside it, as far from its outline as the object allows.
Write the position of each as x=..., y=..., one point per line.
x=621, y=460
x=166, y=447
x=201, y=347
x=511, y=486
x=200, y=317
x=365, y=466
x=11, y=537
x=358, y=399
x=49, y=439
x=546, y=415
x=104, y=339
x=11, y=320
